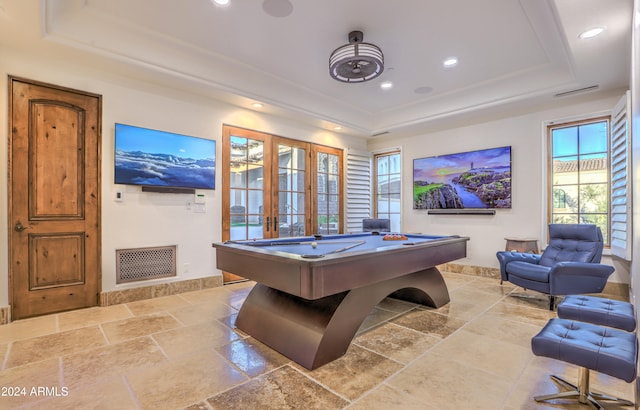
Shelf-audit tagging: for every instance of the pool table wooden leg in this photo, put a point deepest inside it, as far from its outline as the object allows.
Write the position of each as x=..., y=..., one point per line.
x=315, y=332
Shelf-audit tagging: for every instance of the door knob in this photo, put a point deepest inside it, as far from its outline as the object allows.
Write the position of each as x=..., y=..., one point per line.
x=19, y=227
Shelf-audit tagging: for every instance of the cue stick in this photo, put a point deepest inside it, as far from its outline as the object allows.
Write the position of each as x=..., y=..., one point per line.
x=275, y=243
x=346, y=247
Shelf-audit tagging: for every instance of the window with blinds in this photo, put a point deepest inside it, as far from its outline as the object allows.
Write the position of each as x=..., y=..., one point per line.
x=620, y=184
x=358, y=189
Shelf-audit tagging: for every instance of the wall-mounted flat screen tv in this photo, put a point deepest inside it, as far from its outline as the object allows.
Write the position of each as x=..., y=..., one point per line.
x=163, y=159
x=474, y=180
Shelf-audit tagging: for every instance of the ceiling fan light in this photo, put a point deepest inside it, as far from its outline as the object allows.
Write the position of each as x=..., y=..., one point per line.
x=356, y=61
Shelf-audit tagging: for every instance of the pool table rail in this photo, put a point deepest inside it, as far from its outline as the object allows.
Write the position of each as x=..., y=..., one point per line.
x=337, y=272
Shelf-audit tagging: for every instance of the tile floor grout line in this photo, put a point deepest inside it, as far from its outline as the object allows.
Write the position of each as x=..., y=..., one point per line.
x=6, y=356
x=249, y=380
x=129, y=388
x=318, y=382
x=153, y=339
x=217, y=352
x=514, y=384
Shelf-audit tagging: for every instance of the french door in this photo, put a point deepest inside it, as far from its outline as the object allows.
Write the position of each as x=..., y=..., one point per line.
x=328, y=204
x=291, y=191
x=268, y=190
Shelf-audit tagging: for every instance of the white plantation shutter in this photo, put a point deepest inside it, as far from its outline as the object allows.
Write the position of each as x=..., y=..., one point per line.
x=621, y=179
x=358, y=201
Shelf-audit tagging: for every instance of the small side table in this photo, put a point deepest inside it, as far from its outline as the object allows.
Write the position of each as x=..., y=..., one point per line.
x=522, y=245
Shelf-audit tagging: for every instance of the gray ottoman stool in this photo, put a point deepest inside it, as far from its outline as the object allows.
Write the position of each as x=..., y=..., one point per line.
x=592, y=347
x=600, y=311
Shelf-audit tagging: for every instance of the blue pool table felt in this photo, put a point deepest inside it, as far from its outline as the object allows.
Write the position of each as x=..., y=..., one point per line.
x=331, y=244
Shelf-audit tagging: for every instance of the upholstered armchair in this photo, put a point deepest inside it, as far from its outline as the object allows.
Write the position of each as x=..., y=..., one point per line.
x=376, y=225
x=569, y=265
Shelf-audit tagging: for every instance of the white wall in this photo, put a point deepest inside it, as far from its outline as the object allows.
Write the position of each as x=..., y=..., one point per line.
x=527, y=217
x=149, y=219
x=145, y=219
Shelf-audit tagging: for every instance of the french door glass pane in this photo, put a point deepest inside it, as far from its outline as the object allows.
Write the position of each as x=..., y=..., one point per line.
x=291, y=191
x=301, y=158
x=322, y=162
x=256, y=177
x=322, y=184
x=246, y=182
x=284, y=180
x=327, y=191
x=333, y=164
x=284, y=156
x=238, y=175
x=333, y=184
x=255, y=209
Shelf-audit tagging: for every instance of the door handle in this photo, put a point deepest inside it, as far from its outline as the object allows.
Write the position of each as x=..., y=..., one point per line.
x=19, y=227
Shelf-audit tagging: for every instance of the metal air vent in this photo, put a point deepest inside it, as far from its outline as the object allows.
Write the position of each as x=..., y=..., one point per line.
x=138, y=264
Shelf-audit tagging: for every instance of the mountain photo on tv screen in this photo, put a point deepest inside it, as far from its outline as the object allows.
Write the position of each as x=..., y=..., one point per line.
x=155, y=158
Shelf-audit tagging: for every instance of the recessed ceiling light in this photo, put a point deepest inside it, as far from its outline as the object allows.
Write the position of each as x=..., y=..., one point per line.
x=593, y=32
x=257, y=105
x=221, y=2
x=385, y=85
x=450, y=62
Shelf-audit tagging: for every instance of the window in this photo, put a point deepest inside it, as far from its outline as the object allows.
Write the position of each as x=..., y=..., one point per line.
x=387, y=184
x=579, y=173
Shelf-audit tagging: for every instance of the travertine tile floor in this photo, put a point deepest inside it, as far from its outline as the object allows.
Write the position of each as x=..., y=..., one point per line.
x=181, y=352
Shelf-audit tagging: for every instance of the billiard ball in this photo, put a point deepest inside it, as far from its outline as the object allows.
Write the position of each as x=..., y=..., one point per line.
x=314, y=244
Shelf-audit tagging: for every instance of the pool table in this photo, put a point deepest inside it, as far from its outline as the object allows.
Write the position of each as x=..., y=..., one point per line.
x=312, y=293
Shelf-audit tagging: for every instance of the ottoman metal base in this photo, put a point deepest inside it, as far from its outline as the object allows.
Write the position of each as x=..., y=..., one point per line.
x=581, y=392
